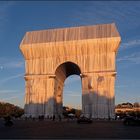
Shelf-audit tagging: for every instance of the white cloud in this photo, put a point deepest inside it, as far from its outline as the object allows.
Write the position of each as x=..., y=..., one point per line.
x=121, y=86
x=134, y=58
x=4, y=12
x=14, y=64
x=72, y=93
x=9, y=98
x=8, y=63
x=2, y=81
x=8, y=91
x=130, y=44
x=102, y=12
x=72, y=79
x=12, y=97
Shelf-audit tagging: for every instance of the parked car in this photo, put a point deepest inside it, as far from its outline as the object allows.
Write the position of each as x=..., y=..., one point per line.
x=84, y=120
x=130, y=120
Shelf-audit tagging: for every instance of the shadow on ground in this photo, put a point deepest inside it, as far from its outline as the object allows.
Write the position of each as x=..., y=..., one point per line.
x=49, y=129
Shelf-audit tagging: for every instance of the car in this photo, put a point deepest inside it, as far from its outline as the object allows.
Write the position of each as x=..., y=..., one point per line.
x=130, y=120
x=84, y=120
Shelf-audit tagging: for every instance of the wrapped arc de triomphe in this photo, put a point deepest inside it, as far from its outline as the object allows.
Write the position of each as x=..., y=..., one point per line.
x=53, y=55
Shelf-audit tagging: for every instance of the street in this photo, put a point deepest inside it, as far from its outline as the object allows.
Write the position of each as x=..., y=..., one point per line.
x=49, y=129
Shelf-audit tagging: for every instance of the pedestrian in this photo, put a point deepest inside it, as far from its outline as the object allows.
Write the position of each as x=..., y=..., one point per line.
x=53, y=117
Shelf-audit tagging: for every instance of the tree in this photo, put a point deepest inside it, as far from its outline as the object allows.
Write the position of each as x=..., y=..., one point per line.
x=136, y=104
x=7, y=109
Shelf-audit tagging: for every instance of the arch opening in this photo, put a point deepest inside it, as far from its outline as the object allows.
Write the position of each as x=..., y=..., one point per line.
x=72, y=92
x=63, y=72
x=67, y=69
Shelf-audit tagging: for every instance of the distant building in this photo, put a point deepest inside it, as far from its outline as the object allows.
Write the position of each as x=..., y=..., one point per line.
x=127, y=107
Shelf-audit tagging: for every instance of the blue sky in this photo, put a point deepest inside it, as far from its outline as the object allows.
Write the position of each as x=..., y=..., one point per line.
x=18, y=17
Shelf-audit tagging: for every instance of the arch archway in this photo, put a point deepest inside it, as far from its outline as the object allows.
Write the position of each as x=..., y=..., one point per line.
x=62, y=72
x=66, y=69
